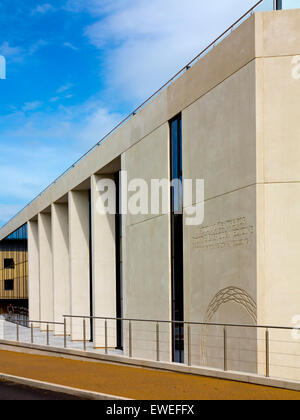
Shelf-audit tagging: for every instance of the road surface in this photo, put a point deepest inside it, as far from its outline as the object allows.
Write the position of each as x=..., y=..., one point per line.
x=12, y=392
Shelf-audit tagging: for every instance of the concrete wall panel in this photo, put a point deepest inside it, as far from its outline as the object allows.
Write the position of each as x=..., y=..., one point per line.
x=33, y=271
x=220, y=277
x=79, y=260
x=148, y=284
x=104, y=266
x=61, y=270
x=46, y=276
x=219, y=135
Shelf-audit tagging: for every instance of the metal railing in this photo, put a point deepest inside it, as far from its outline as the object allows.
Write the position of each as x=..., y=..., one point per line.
x=257, y=349
x=158, y=91
x=48, y=324
x=19, y=315
x=260, y=339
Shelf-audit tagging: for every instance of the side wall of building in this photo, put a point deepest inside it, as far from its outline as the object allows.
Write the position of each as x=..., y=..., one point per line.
x=278, y=193
x=220, y=255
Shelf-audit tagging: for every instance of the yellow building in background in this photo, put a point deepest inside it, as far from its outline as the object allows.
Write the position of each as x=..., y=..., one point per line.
x=14, y=270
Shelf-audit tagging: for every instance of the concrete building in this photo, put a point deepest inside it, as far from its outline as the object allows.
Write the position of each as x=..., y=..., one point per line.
x=232, y=119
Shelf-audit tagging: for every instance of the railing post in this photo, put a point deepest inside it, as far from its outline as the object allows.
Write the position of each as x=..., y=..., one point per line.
x=31, y=328
x=225, y=349
x=105, y=336
x=267, y=353
x=157, y=342
x=65, y=333
x=84, y=334
x=189, y=345
x=48, y=340
x=18, y=334
x=130, y=339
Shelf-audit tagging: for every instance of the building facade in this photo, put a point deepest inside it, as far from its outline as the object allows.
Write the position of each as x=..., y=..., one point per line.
x=231, y=120
x=14, y=270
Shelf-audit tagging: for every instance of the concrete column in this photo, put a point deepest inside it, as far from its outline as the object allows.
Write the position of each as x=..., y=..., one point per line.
x=103, y=268
x=61, y=269
x=46, y=277
x=33, y=272
x=79, y=261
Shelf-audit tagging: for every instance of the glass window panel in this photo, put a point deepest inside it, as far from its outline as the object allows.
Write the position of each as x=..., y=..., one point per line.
x=8, y=285
x=176, y=166
x=177, y=239
x=9, y=263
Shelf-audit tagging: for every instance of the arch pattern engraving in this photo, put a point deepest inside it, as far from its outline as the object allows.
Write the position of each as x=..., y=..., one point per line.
x=229, y=294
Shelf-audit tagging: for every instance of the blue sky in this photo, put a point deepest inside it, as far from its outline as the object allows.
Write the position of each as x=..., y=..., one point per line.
x=75, y=68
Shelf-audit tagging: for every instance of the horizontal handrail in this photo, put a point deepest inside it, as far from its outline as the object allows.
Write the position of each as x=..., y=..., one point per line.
x=181, y=322
x=45, y=322
x=105, y=341
x=133, y=113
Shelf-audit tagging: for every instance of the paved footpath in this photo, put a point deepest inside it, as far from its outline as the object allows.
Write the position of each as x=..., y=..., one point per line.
x=132, y=382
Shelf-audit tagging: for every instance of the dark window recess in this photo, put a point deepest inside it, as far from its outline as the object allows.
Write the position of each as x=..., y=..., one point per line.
x=9, y=263
x=90, y=270
x=177, y=240
x=119, y=279
x=8, y=285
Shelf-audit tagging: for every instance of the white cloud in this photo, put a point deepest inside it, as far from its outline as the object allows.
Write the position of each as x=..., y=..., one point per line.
x=50, y=142
x=71, y=46
x=63, y=93
x=95, y=7
x=36, y=46
x=146, y=42
x=31, y=106
x=13, y=53
x=42, y=8
x=64, y=88
x=17, y=54
x=82, y=125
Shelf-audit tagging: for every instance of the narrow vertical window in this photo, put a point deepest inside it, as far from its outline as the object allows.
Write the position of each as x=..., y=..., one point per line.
x=91, y=271
x=119, y=270
x=177, y=240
